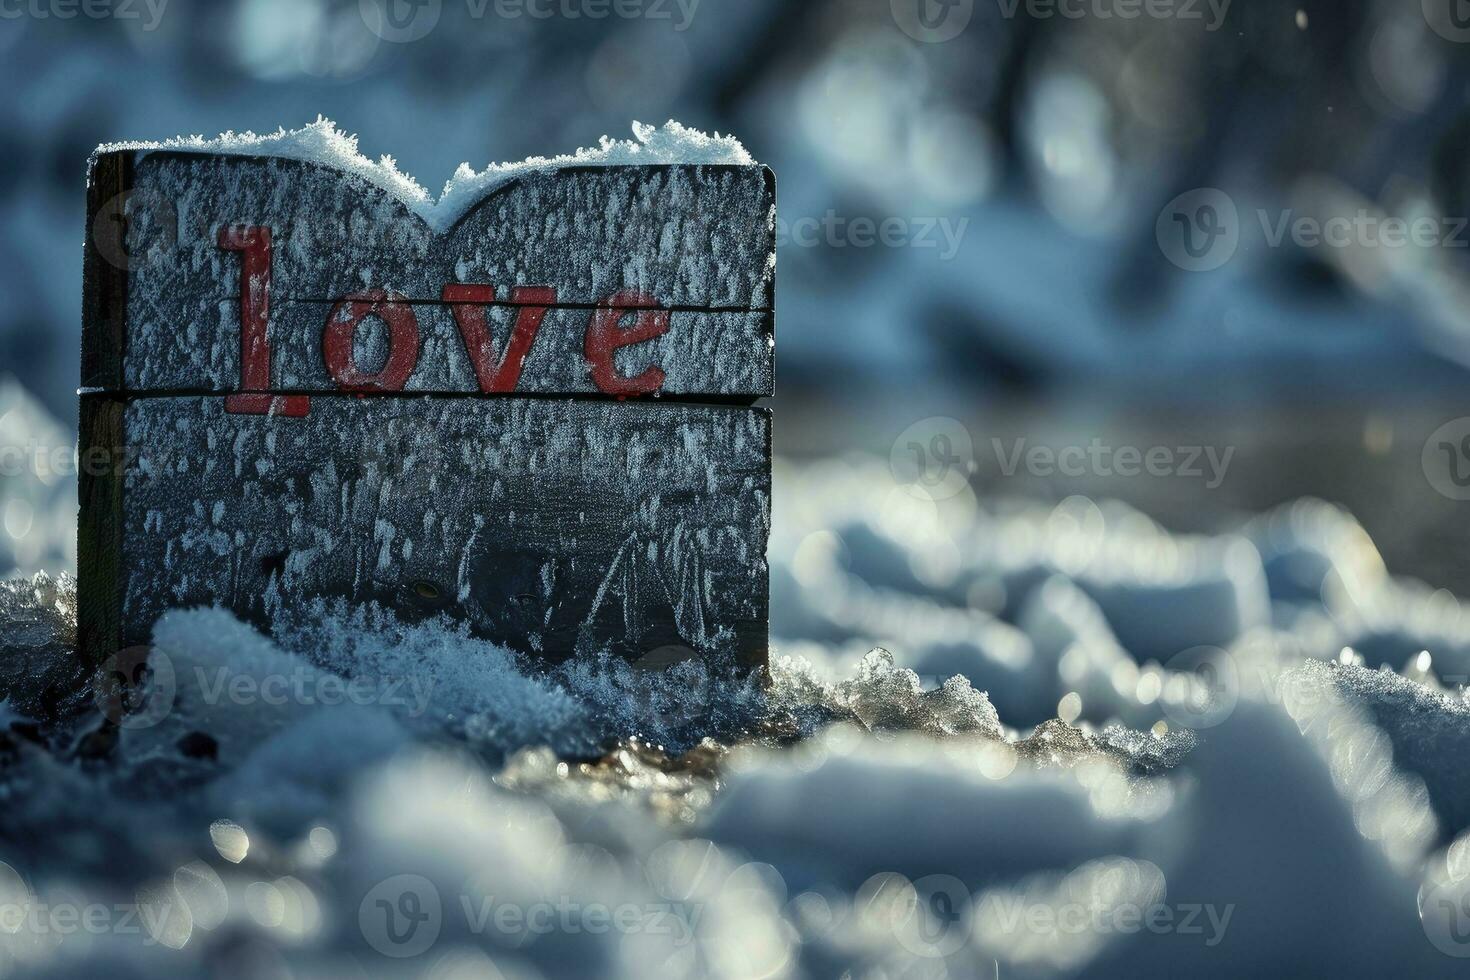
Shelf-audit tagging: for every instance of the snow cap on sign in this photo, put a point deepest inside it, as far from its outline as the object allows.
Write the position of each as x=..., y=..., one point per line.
x=323, y=143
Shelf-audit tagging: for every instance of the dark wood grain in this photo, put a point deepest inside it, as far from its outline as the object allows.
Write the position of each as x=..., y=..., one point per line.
x=105, y=272
x=552, y=527
x=100, y=579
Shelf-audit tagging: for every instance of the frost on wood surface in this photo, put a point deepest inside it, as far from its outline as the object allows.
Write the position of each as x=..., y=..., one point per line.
x=548, y=526
x=685, y=235
x=700, y=353
x=695, y=235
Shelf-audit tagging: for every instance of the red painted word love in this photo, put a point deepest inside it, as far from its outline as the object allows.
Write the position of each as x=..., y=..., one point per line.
x=496, y=373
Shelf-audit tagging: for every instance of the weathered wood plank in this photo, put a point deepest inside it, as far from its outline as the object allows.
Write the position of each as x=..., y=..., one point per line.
x=105, y=265
x=551, y=526
x=697, y=241
x=100, y=528
x=553, y=362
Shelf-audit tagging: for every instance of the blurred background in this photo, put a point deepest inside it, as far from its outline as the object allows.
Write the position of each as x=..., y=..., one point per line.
x=983, y=210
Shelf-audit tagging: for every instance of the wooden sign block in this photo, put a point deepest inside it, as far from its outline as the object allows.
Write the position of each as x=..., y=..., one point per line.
x=534, y=419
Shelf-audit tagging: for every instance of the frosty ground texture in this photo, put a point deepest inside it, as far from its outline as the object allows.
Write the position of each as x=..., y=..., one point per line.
x=960, y=763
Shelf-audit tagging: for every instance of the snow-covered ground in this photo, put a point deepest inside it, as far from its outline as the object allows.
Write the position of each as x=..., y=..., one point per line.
x=1084, y=747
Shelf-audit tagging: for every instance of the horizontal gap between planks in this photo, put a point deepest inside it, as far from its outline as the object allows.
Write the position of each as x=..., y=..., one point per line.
x=308, y=301
x=713, y=400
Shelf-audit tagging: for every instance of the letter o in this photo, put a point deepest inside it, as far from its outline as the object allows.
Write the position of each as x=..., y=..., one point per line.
x=403, y=341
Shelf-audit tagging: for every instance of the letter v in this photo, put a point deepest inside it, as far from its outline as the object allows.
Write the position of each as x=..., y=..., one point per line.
x=468, y=301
